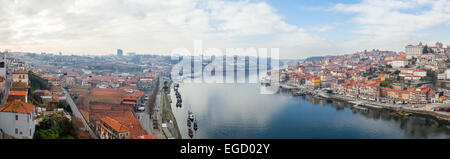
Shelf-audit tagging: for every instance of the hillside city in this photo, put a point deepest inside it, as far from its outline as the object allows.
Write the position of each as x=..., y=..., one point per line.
x=416, y=80
x=53, y=96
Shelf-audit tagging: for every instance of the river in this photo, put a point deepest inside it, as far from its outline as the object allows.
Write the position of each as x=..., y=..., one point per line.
x=240, y=111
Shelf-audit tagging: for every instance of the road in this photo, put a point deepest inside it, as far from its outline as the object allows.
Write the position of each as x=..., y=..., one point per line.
x=156, y=116
x=77, y=113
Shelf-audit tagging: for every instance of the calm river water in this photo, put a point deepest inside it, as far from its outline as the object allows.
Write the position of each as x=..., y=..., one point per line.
x=225, y=111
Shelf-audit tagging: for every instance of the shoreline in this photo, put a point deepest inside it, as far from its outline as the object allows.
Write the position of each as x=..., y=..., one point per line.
x=168, y=106
x=436, y=114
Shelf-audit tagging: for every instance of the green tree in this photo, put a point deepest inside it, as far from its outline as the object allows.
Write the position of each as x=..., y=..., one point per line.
x=56, y=126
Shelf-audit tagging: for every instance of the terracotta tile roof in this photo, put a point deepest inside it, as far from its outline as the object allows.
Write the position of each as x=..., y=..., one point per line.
x=20, y=84
x=17, y=106
x=85, y=114
x=128, y=102
x=20, y=72
x=114, y=124
x=18, y=93
x=42, y=92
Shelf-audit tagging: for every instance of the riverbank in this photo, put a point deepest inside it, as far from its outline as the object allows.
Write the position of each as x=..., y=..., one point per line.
x=168, y=114
x=419, y=109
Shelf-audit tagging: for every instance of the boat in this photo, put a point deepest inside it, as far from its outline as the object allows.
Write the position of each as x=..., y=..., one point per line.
x=359, y=107
x=191, y=133
x=189, y=123
x=195, y=125
x=403, y=114
x=298, y=93
x=190, y=116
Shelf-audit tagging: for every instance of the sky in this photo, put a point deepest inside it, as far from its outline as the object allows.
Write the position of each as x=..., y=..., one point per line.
x=299, y=28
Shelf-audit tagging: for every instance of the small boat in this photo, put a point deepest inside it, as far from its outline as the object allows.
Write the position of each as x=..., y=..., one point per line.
x=195, y=125
x=191, y=117
x=189, y=123
x=403, y=114
x=191, y=133
x=359, y=107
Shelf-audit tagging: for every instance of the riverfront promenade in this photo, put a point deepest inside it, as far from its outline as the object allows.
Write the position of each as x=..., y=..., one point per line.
x=425, y=109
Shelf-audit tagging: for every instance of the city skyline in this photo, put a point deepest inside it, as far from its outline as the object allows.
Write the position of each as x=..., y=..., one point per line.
x=299, y=29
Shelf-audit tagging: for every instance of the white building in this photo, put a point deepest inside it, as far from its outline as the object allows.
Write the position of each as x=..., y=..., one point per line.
x=447, y=74
x=413, y=50
x=20, y=76
x=420, y=73
x=399, y=63
x=17, y=119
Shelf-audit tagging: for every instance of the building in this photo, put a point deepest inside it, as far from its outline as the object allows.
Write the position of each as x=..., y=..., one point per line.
x=108, y=128
x=17, y=119
x=119, y=52
x=399, y=62
x=20, y=76
x=421, y=94
x=2, y=65
x=413, y=50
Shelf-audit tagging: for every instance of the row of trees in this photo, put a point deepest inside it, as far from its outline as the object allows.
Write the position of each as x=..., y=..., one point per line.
x=37, y=82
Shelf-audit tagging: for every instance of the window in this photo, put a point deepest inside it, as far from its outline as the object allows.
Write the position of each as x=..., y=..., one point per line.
x=17, y=117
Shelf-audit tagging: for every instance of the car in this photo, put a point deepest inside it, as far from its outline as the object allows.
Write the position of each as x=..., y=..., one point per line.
x=141, y=108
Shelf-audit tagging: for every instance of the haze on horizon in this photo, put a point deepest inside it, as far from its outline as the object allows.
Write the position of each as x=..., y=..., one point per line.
x=299, y=29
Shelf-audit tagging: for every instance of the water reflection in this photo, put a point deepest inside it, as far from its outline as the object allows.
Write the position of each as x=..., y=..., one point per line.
x=240, y=111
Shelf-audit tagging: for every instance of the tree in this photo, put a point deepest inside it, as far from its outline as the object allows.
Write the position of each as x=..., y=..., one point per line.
x=425, y=49
x=56, y=126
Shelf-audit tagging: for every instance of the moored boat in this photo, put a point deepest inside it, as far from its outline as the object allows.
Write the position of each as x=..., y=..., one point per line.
x=195, y=125
x=189, y=123
x=403, y=114
x=191, y=133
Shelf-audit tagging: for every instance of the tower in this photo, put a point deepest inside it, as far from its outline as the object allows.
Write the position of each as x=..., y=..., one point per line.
x=3, y=64
x=119, y=52
x=439, y=45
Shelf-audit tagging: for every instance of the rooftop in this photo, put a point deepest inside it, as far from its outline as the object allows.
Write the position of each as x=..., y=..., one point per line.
x=114, y=124
x=17, y=106
x=20, y=72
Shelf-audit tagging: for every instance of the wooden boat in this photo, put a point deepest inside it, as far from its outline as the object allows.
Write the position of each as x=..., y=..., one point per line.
x=195, y=125
x=403, y=114
x=191, y=133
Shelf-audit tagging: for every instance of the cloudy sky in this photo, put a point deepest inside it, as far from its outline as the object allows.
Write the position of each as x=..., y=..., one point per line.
x=299, y=28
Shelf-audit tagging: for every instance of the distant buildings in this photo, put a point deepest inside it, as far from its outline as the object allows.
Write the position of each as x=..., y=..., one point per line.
x=401, y=61
x=119, y=52
x=417, y=50
x=413, y=50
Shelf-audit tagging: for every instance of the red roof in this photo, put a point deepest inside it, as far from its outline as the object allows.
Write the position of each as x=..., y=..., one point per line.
x=114, y=124
x=17, y=106
x=18, y=93
x=20, y=72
